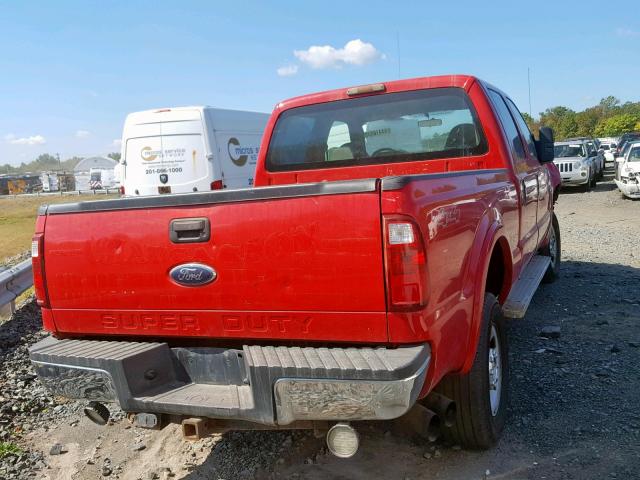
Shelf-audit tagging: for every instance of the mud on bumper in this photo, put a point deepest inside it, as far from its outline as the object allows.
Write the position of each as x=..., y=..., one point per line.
x=262, y=384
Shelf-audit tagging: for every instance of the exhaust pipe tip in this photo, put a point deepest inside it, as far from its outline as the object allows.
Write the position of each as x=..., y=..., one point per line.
x=444, y=407
x=97, y=413
x=433, y=429
x=449, y=417
x=343, y=440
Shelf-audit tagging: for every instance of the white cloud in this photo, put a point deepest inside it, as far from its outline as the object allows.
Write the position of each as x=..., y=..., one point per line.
x=82, y=133
x=355, y=52
x=32, y=140
x=287, y=70
x=116, y=142
x=627, y=32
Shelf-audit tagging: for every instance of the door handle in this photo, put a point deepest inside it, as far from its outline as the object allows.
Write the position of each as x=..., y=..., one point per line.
x=189, y=230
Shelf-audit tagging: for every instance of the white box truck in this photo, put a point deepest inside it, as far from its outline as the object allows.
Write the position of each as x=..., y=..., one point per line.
x=189, y=149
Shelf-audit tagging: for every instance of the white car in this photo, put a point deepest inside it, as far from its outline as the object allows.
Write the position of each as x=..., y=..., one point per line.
x=628, y=171
x=609, y=150
x=594, y=151
x=576, y=167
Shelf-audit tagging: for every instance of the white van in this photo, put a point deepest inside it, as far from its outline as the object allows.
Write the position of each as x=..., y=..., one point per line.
x=100, y=178
x=189, y=149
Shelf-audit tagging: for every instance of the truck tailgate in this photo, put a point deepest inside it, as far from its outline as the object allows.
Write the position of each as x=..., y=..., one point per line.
x=298, y=262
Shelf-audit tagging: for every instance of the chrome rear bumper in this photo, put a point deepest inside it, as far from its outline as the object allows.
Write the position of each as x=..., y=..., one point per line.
x=262, y=384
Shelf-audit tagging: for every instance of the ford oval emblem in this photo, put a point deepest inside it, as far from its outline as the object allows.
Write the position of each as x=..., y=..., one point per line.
x=192, y=274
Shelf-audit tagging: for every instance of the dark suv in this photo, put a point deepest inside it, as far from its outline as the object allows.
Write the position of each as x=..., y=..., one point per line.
x=627, y=137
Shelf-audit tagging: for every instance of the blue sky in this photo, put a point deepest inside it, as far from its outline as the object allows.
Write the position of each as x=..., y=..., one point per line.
x=71, y=71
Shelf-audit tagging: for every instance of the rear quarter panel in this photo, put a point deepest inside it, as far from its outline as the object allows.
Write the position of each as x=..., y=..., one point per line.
x=461, y=217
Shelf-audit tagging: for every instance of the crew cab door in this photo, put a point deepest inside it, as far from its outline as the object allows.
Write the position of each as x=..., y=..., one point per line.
x=544, y=182
x=527, y=171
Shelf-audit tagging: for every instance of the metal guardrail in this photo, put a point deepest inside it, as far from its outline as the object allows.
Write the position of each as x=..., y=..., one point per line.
x=14, y=281
x=104, y=191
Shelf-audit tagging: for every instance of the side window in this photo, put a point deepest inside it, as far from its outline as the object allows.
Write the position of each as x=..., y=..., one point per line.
x=515, y=143
x=524, y=128
x=338, y=141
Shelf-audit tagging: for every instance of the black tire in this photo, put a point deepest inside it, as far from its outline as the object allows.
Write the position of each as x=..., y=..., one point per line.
x=587, y=186
x=476, y=427
x=553, y=249
x=594, y=180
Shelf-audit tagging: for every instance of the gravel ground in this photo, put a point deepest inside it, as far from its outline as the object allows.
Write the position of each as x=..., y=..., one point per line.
x=574, y=398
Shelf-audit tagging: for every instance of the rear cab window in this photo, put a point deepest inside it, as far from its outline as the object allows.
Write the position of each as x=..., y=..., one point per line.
x=394, y=127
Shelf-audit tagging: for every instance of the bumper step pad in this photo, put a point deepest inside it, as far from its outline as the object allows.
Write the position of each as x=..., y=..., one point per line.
x=214, y=382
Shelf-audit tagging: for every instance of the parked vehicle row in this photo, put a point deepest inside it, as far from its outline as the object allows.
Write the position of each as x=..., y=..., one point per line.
x=580, y=162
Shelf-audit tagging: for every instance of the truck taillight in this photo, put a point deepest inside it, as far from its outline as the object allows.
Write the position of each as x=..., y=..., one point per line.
x=37, y=262
x=405, y=264
x=216, y=185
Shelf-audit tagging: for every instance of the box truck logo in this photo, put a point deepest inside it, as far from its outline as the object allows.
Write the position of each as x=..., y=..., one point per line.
x=236, y=152
x=148, y=155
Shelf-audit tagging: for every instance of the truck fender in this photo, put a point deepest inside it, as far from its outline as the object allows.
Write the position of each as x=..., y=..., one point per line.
x=487, y=239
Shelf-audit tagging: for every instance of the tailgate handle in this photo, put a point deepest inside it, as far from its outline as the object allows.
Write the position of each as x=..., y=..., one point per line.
x=189, y=230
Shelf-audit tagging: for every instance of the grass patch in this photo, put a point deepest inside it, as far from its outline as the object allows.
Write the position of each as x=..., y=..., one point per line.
x=8, y=448
x=18, y=217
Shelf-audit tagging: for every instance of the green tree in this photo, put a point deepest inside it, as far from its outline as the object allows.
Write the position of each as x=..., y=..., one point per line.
x=531, y=123
x=608, y=105
x=562, y=120
x=617, y=125
x=587, y=121
x=115, y=156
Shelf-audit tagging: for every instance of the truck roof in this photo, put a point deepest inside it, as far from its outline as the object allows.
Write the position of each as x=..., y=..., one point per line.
x=440, y=81
x=149, y=116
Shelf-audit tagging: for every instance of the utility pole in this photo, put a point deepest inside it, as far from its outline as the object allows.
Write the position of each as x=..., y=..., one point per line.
x=59, y=162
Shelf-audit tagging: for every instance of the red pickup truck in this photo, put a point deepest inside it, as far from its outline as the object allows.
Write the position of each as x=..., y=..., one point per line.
x=392, y=228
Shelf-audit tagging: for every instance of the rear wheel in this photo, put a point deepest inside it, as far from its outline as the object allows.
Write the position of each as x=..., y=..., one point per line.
x=481, y=395
x=552, y=250
x=587, y=186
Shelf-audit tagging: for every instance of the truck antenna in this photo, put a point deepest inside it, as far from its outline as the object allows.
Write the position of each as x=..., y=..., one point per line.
x=398, y=52
x=529, y=85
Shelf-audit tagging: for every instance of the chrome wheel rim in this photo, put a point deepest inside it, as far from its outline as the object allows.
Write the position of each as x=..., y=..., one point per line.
x=495, y=371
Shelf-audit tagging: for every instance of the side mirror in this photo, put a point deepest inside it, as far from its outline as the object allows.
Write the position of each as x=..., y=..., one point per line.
x=544, y=145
